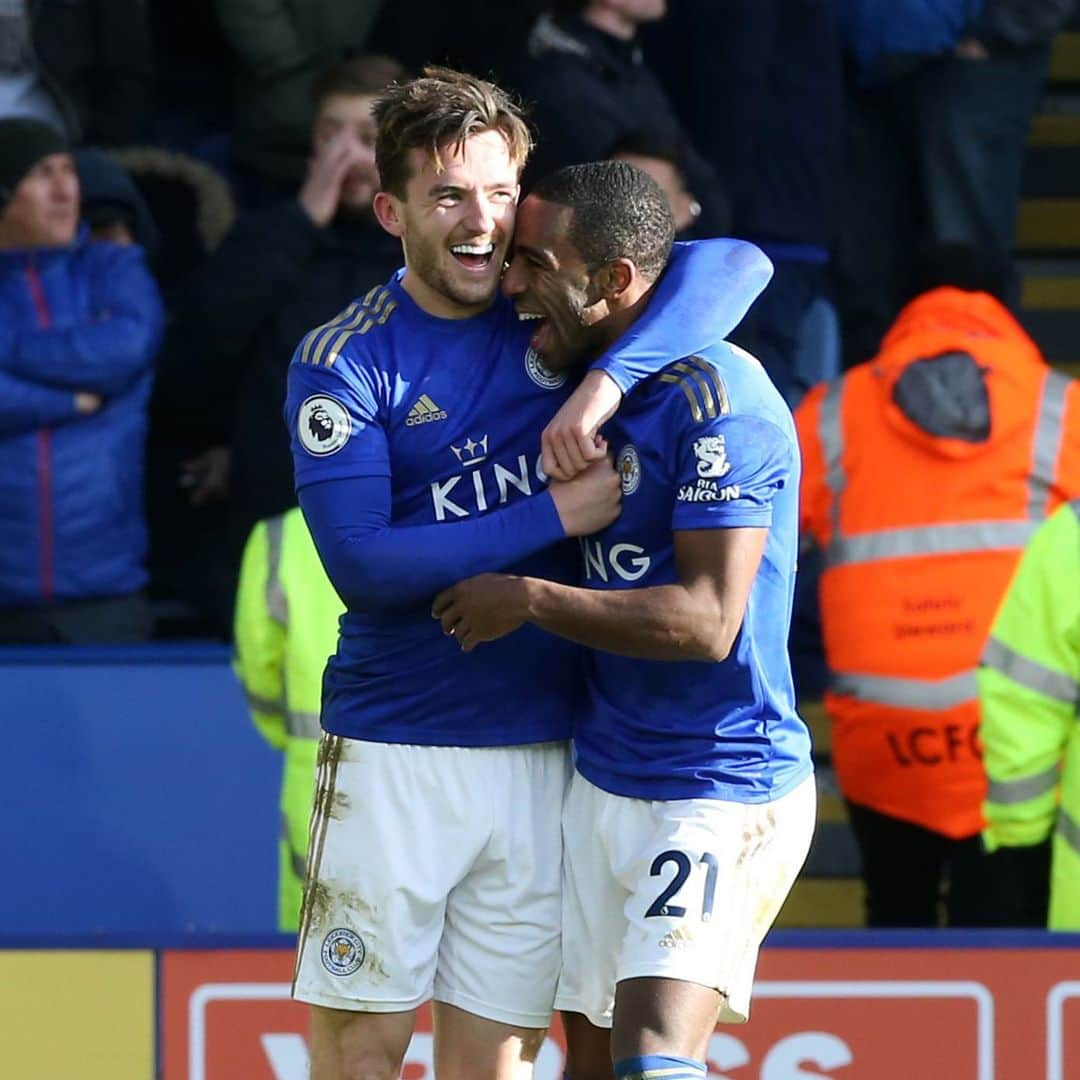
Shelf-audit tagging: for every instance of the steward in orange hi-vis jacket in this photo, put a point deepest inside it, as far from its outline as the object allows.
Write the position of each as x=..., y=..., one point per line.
x=925, y=471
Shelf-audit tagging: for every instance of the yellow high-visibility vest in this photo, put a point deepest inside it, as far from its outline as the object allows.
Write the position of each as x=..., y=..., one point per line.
x=1029, y=689
x=286, y=627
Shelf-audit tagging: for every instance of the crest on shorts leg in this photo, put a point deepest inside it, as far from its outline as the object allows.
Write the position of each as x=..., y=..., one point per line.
x=343, y=952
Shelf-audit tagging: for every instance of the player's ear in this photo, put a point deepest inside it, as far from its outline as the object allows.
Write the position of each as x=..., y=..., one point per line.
x=616, y=278
x=387, y=209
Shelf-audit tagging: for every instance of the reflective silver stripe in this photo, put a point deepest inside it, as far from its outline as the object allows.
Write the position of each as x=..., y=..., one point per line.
x=275, y=595
x=265, y=705
x=1047, y=441
x=1009, y=792
x=1030, y=674
x=1068, y=830
x=907, y=693
x=1075, y=505
x=303, y=725
x=931, y=540
x=832, y=447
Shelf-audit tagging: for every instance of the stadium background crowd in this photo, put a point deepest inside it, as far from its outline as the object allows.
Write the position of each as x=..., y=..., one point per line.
x=874, y=157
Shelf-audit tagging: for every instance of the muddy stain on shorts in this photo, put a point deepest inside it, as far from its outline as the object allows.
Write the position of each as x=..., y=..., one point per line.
x=340, y=805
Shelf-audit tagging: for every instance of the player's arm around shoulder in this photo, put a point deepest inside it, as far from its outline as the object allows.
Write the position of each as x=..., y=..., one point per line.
x=705, y=291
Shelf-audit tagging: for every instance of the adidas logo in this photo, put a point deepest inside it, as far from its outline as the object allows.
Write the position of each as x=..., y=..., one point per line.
x=424, y=411
x=680, y=938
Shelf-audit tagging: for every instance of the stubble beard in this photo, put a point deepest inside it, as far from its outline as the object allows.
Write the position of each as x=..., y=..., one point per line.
x=426, y=264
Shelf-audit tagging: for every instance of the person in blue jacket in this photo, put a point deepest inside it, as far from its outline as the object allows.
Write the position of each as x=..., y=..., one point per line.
x=80, y=322
x=938, y=114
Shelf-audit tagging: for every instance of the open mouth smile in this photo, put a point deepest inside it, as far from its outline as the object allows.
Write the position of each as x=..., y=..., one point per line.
x=473, y=256
x=541, y=336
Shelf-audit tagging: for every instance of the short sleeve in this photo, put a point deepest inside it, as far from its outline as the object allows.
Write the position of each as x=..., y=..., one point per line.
x=337, y=422
x=729, y=471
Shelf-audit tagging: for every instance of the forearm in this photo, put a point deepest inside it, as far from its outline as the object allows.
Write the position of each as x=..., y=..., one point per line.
x=25, y=405
x=380, y=567
x=703, y=295
x=665, y=622
x=102, y=357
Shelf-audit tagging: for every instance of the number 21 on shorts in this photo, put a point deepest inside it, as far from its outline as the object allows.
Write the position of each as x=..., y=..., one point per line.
x=661, y=906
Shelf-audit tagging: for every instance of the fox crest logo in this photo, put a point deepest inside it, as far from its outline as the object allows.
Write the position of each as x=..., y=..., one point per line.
x=711, y=453
x=343, y=952
x=628, y=465
x=540, y=373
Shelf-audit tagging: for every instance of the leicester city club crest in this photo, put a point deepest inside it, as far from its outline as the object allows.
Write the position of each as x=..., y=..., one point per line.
x=343, y=952
x=542, y=376
x=629, y=466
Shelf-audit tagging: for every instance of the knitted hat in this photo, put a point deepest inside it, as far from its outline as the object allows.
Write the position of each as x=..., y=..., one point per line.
x=23, y=143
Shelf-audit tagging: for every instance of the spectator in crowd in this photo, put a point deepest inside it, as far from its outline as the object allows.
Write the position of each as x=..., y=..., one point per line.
x=281, y=48
x=285, y=269
x=758, y=85
x=79, y=325
x=286, y=628
x=179, y=210
x=1029, y=689
x=587, y=87
x=112, y=206
x=191, y=205
x=192, y=572
x=925, y=471
x=938, y=121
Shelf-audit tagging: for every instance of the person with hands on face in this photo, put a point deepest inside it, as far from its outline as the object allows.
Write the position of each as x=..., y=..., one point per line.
x=280, y=271
x=416, y=417
x=692, y=806
x=341, y=175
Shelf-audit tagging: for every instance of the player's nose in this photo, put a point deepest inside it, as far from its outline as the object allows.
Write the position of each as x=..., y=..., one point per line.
x=479, y=216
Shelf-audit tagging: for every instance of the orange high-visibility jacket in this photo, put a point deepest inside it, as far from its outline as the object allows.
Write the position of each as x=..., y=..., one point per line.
x=920, y=536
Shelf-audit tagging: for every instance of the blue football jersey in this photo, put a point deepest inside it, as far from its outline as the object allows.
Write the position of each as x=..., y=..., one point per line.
x=706, y=444
x=452, y=411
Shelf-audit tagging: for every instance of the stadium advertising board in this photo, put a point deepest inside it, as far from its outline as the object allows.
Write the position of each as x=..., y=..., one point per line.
x=838, y=1014
x=77, y=1014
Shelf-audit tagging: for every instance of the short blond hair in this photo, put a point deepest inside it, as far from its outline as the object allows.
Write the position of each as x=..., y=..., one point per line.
x=437, y=108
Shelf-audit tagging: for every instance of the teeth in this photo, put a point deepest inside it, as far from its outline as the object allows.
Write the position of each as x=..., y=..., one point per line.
x=525, y=316
x=472, y=249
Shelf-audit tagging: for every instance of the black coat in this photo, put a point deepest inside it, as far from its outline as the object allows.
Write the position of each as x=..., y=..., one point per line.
x=586, y=90
x=275, y=277
x=759, y=85
x=101, y=55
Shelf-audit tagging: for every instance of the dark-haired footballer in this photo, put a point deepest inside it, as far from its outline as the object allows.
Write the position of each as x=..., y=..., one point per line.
x=693, y=803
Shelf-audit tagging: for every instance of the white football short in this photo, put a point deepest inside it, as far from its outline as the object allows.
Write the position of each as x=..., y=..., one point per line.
x=434, y=872
x=679, y=890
